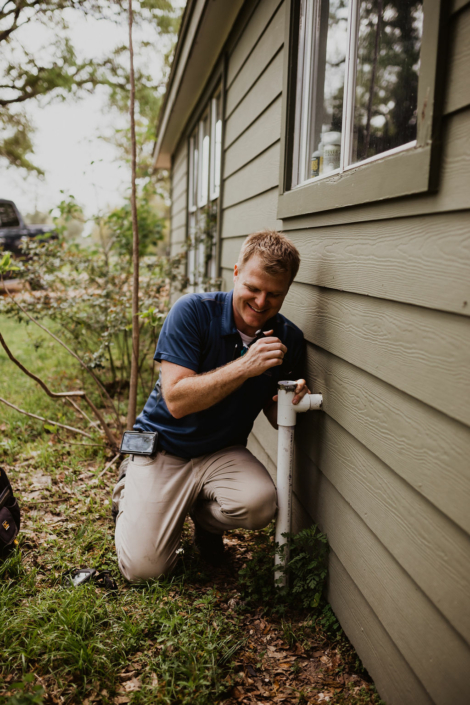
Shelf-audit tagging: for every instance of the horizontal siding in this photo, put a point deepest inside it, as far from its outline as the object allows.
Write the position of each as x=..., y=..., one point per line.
x=178, y=206
x=251, y=215
x=180, y=187
x=230, y=249
x=179, y=219
x=454, y=186
x=431, y=647
x=180, y=158
x=458, y=85
x=423, y=446
x=256, y=27
x=267, y=47
x=392, y=675
x=459, y=4
x=179, y=198
x=227, y=278
x=407, y=259
x=178, y=234
x=265, y=91
x=429, y=547
x=260, y=175
x=256, y=139
x=422, y=352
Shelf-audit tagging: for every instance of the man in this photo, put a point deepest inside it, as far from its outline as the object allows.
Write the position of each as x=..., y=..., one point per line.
x=221, y=356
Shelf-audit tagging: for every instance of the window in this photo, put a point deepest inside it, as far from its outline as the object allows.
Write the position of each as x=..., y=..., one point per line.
x=205, y=150
x=8, y=217
x=357, y=82
x=361, y=112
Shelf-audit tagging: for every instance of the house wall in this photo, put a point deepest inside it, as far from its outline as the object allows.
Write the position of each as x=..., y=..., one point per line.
x=383, y=299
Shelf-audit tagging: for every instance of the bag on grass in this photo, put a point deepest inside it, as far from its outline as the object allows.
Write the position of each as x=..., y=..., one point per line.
x=10, y=518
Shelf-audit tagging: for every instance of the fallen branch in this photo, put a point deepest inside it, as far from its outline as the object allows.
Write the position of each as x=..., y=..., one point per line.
x=64, y=345
x=109, y=465
x=40, y=418
x=61, y=395
x=80, y=411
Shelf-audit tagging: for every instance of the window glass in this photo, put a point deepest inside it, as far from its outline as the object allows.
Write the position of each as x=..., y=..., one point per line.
x=216, y=138
x=204, y=144
x=356, y=83
x=8, y=217
x=205, y=147
x=389, y=40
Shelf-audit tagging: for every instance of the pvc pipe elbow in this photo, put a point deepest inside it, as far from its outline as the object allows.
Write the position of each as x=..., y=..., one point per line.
x=287, y=411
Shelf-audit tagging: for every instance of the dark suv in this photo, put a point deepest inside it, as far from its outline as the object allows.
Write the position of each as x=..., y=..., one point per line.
x=13, y=228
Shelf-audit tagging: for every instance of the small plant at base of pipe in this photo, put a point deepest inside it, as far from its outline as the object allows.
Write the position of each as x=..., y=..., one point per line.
x=306, y=567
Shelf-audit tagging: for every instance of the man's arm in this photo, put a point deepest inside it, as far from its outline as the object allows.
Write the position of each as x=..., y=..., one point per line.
x=186, y=392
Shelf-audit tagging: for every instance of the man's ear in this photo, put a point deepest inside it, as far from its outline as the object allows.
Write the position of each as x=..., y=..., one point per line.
x=236, y=272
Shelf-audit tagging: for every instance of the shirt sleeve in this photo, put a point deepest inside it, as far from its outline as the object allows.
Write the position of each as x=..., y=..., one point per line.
x=180, y=338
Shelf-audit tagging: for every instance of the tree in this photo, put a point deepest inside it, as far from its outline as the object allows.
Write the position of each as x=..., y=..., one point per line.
x=54, y=71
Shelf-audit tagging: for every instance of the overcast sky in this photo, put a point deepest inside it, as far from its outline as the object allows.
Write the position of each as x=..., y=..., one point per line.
x=67, y=139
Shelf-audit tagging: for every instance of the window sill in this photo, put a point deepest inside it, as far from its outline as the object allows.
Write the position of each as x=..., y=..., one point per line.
x=400, y=174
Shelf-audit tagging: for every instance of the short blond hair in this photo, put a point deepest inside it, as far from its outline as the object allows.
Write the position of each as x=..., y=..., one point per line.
x=276, y=251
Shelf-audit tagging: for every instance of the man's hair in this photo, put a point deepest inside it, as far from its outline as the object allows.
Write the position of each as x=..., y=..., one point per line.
x=276, y=251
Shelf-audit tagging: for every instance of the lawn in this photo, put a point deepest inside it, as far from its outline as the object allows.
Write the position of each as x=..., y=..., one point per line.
x=193, y=639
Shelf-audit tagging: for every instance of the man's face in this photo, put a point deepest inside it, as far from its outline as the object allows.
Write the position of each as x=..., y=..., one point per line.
x=257, y=295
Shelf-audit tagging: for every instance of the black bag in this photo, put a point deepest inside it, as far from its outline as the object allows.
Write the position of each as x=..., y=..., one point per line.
x=10, y=519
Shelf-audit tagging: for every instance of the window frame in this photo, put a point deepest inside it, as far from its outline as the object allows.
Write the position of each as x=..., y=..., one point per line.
x=403, y=171
x=215, y=87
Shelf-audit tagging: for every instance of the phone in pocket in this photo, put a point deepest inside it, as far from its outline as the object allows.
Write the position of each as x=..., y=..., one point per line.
x=139, y=443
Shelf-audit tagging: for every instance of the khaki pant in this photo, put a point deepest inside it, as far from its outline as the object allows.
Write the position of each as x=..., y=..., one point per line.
x=229, y=489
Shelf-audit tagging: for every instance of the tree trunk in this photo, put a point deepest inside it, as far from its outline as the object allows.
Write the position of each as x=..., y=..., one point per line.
x=131, y=412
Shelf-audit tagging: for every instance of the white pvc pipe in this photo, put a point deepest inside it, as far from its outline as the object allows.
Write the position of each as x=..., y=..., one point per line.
x=286, y=420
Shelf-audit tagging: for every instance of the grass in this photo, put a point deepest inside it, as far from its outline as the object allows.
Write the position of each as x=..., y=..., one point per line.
x=175, y=642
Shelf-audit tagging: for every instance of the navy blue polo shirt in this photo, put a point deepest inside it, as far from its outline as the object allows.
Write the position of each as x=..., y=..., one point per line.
x=200, y=333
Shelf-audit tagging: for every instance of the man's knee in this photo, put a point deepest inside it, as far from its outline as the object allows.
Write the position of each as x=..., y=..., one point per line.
x=261, y=506
x=137, y=569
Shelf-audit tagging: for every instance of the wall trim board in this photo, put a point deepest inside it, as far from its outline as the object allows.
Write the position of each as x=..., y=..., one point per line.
x=457, y=93
x=407, y=346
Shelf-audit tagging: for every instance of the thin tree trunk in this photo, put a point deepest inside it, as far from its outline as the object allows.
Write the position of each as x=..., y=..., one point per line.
x=131, y=411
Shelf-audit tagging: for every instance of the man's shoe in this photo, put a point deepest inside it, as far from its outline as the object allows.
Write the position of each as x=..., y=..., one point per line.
x=210, y=546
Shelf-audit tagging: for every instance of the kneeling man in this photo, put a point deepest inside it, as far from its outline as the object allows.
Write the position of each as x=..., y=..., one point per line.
x=221, y=356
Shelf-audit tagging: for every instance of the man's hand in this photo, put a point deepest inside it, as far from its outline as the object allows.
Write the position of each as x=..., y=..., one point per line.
x=270, y=410
x=265, y=353
x=300, y=391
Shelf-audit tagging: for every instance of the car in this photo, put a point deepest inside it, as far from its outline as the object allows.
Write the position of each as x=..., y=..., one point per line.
x=13, y=228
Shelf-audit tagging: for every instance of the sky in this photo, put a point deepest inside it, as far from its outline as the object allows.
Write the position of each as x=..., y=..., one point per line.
x=67, y=141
